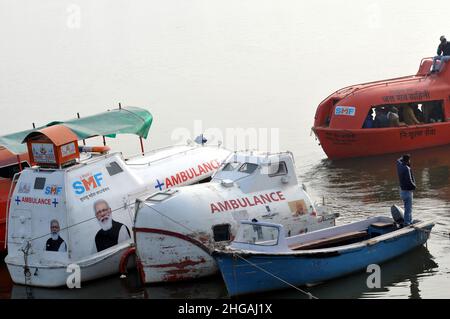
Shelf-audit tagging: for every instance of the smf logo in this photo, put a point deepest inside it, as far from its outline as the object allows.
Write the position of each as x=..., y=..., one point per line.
x=374, y=279
x=87, y=183
x=74, y=279
x=345, y=110
x=53, y=190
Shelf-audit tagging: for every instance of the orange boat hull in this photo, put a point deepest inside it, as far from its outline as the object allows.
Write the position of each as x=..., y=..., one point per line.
x=5, y=185
x=338, y=143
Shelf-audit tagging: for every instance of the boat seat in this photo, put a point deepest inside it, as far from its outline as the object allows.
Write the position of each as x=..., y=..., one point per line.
x=382, y=225
x=330, y=240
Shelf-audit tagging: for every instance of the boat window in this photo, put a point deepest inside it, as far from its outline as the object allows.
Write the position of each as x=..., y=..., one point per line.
x=221, y=232
x=39, y=183
x=402, y=114
x=113, y=168
x=256, y=234
x=161, y=196
x=11, y=170
x=248, y=168
x=369, y=122
x=231, y=166
x=277, y=169
x=432, y=111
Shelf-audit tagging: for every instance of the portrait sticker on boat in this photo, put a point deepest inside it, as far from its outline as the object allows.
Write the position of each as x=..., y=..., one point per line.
x=345, y=110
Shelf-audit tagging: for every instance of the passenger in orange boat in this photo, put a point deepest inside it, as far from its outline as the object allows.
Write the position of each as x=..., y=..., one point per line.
x=418, y=113
x=369, y=122
x=381, y=119
x=409, y=116
x=394, y=119
x=436, y=114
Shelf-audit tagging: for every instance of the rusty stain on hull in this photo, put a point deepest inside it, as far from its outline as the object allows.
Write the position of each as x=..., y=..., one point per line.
x=181, y=265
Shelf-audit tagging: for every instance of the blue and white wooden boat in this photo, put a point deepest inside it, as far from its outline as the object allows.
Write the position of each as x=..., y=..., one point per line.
x=261, y=258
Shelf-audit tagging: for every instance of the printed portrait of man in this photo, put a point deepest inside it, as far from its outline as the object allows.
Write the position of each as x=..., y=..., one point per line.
x=298, y=207
x=111, y=232
x=55, y=242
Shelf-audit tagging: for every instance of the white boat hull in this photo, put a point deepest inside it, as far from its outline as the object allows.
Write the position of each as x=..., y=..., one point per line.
x=56, y=274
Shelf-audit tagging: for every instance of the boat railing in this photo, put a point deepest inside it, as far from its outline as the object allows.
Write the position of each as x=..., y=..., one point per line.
x=371, y=84
x=255, y=152
x=164, y=148
x=161, y=158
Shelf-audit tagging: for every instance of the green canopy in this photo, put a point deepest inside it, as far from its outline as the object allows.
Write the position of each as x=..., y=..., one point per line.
x=125, y=120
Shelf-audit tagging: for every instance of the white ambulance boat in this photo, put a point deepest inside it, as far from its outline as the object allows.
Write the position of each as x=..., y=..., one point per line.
x=71, y=213
x=176, y=229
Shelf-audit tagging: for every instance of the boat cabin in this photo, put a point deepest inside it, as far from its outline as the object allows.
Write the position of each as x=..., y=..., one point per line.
x=255, y=171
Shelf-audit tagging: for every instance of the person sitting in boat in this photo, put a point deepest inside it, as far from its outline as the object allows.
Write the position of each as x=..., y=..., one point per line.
x=393, y=117
x=407, y=185
x=369, y=122
x=436, y=114
x=408, y=115
x=418, y=113
x=381, y=119
x=55, y=242
x=443, y=54
x=111, y=232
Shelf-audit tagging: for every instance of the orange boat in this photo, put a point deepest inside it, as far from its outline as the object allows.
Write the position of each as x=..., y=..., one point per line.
x=10, y=164
x=345, y=125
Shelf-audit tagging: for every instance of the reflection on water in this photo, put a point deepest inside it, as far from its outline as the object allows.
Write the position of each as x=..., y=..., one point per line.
x=130, y=287
x=373, y=181
x=5, y=281
x=398, y=272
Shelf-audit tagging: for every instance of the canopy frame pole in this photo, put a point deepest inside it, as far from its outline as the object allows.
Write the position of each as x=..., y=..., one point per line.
x=142, y=145
x=104, y=140
x=84, y=141
x=19, y=162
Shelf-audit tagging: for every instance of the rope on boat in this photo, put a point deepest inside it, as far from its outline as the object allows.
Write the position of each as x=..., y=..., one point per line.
x=73, y=225
x=209, y=246
x=310, y=295
x=434, y=232
x=278, y=278
x=26, y=270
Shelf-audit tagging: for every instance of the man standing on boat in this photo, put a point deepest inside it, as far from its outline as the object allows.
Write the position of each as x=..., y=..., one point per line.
x=443, y=54
x=407, y=185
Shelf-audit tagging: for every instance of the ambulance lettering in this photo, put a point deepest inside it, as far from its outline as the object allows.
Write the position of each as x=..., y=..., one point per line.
x=88, y=183
x=188, y=174
x=247, y=202
x=36, y=201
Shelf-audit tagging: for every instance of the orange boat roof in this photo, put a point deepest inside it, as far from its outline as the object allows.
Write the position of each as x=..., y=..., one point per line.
x=8, y=158
x=57, y=134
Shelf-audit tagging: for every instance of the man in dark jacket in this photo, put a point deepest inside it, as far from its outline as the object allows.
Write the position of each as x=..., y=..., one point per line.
x=443, y=54
x=407, y=185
